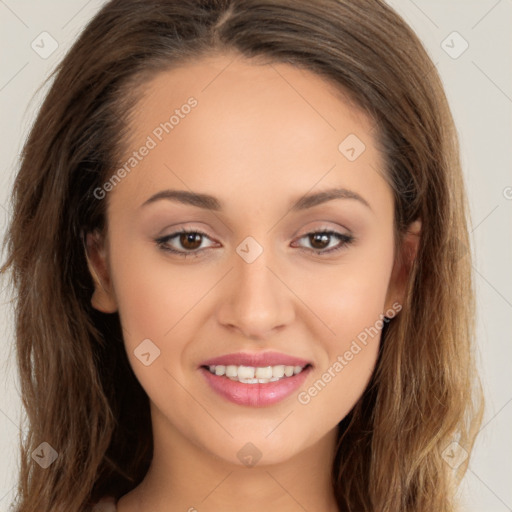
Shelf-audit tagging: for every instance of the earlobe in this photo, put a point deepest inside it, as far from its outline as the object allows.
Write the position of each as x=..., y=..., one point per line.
x=103, y=298
x=403, y=263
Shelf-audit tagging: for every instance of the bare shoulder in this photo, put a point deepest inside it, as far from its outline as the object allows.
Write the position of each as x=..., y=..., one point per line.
x=106, y=504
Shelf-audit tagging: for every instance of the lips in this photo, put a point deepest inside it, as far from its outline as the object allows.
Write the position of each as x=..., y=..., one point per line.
x=255, y=359
x=255, y=392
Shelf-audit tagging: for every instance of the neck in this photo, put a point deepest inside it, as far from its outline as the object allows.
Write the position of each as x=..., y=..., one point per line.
x=185, y=477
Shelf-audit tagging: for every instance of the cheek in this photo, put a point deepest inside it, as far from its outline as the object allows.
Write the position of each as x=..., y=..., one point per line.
x=348, y=354
x=156, y=302
x=153, y=294
x=351, y=302
x=351, y=296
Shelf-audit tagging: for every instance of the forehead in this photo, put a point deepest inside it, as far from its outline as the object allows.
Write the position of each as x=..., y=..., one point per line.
x=251, y=94
x=226, y=120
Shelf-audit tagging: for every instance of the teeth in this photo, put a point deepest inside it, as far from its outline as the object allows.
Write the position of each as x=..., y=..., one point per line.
x=278, y=371
x=244, y=372
x=288, y=370
x=220, y=370
x=264, y=373
x=231, y=371
x=255, y=375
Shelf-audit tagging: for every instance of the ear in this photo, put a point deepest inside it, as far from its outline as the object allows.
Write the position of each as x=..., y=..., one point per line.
x=403, y=263
x=103, y=298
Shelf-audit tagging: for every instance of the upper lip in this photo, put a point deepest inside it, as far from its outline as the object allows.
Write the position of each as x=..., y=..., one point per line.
x=260, y=359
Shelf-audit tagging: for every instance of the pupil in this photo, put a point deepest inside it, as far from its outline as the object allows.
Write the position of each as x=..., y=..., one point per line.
x=188, y=238
x=322, y=238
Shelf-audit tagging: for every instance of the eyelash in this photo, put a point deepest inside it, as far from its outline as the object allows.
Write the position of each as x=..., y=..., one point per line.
x=162, y=241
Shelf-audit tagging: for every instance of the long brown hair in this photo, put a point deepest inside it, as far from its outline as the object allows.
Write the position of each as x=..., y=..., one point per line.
x=77, y=386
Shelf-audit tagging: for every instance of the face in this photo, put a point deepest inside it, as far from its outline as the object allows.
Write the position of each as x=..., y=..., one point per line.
x=265, y=272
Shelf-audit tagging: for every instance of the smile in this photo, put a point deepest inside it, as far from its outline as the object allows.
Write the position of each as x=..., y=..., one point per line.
x=255, y=375
x=255, y=386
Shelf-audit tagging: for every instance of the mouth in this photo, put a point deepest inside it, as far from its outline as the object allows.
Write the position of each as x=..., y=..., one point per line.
x=256, y=374
x=255, y=386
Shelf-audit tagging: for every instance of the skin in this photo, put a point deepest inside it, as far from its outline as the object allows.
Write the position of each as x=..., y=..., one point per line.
x=260, y=137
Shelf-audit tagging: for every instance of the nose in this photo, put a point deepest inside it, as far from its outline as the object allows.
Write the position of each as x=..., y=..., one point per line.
x=257, y=301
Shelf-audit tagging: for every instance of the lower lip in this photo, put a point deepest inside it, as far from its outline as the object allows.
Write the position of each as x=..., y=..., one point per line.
x=255, y=395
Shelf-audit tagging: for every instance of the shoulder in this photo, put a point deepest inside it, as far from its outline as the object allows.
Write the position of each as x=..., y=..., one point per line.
x=106, y=504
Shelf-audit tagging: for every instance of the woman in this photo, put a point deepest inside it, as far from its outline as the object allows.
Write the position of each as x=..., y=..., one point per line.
x=236, y=250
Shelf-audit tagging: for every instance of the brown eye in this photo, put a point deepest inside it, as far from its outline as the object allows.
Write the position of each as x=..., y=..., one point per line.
x=191, y=240
x=320, y=240
x=183, y=243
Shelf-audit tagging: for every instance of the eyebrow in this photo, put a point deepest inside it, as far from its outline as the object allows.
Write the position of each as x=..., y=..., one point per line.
x=209, y=202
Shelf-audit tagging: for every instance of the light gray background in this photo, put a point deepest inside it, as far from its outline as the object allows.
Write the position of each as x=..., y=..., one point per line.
x=479, y=88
